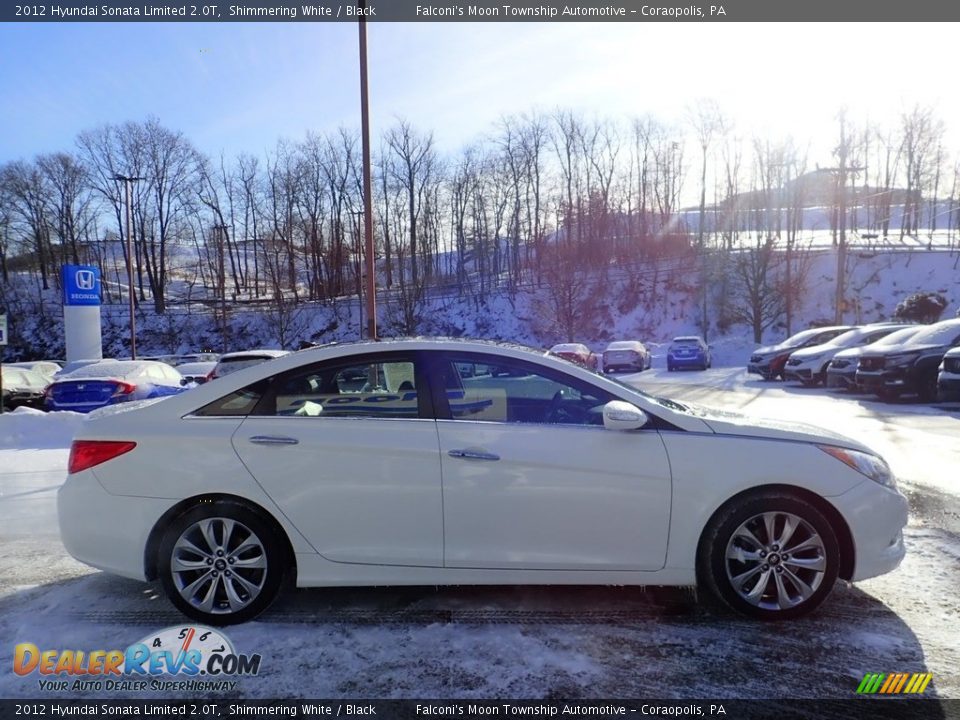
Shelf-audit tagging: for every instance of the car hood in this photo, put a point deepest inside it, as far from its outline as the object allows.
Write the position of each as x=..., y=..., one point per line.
x=903, y=349
x=731, y=423
x=774, y=349
x=850, y=353
x=813, y=351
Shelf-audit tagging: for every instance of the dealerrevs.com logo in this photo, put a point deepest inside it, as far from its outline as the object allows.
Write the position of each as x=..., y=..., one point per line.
x=203, y=656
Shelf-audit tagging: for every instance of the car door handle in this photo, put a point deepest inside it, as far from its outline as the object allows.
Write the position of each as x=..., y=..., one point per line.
x=473, y=455
x=273, y=440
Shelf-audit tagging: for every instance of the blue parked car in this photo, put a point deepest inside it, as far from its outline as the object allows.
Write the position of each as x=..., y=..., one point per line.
x=688, y=352
x=110, y=382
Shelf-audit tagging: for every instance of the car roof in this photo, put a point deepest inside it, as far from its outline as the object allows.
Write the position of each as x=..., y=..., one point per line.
x=254, y=354
x=112, y=369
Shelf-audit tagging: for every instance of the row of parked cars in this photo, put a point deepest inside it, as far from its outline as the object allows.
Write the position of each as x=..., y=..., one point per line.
x=887, y=359
x=633, y=355
x=86, y=385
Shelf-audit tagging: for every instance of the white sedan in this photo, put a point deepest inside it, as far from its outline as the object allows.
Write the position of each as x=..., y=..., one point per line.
x=449, y=462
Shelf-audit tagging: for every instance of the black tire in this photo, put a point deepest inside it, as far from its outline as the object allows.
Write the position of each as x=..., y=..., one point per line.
x=247, y=526
x=669, y=368
x=776, y=575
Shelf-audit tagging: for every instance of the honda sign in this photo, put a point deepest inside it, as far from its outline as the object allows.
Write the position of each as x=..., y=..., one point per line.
x=81, y=285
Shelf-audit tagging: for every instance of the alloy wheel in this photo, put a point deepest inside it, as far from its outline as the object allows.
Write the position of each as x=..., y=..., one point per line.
x=218, y=565
x=775, y=560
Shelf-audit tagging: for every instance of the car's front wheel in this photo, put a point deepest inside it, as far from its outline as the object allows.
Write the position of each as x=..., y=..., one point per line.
x=221, y=563
x=771, y=555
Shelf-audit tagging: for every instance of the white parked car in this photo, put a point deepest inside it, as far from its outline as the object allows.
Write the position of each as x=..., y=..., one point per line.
x=428, y=462
x=231, y=362
x=45, y=368
x=626, y=355
x=809, y=364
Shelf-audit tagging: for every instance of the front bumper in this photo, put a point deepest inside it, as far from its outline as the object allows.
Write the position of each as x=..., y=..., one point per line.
x=797, y=373
x=844, y=379
x=893, y=379
x=948, y=389
x=876, y=516
x=106, y=531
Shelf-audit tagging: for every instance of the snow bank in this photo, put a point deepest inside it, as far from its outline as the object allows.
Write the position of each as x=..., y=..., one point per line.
x=28, y=428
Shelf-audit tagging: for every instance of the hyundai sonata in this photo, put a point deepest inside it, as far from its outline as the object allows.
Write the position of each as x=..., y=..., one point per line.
x=455, y=462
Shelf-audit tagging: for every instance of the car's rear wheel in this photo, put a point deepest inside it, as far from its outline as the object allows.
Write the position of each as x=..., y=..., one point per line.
x=221, y=563
x=772, y=556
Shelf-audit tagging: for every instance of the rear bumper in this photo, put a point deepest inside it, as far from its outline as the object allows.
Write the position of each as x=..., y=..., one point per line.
x=694, y=361
x=106, y=531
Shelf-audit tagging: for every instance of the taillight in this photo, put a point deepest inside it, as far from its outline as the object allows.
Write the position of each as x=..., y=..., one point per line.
x=85, y=454
x=123, y=388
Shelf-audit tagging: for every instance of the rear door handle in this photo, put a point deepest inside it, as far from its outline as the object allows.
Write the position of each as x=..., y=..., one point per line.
x=273, y=440
x=473, y=455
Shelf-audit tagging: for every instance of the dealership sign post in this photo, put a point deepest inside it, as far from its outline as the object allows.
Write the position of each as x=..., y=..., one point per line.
x=81, y=312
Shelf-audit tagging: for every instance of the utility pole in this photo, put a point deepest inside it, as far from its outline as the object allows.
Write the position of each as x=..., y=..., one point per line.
x=367, y=199
x=127, y=182
x=220, y=233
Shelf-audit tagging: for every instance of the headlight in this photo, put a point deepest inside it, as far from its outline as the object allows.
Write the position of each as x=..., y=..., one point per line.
x=901, y=359
x=873, y=466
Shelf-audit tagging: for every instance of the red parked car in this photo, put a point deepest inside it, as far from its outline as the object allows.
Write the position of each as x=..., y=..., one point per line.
x=575, y=352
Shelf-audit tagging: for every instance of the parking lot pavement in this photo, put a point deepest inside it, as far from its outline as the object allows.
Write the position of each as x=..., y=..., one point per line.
x=532, y=642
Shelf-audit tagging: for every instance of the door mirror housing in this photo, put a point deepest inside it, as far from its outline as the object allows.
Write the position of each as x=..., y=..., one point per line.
x=620, y=415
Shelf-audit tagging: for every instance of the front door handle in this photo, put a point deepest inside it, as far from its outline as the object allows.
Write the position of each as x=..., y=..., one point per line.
x=273, y=440
x=473, y=455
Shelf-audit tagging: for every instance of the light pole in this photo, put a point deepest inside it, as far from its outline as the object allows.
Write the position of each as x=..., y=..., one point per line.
x=367, y=199
x=127, y=182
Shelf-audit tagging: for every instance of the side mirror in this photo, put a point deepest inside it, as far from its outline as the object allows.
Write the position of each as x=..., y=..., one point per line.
x=620, y=415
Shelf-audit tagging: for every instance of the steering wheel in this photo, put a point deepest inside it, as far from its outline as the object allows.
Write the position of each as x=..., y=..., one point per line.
x=560, y=412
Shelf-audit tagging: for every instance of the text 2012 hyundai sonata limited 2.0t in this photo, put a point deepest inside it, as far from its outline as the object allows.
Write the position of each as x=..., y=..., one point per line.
x=428, y=462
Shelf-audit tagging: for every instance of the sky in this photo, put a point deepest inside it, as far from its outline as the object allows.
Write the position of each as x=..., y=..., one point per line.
x=239, y=87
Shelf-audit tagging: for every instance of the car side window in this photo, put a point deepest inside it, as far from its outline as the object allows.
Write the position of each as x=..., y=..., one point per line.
x=362, y=388
x=497, y=390
x=238, y=403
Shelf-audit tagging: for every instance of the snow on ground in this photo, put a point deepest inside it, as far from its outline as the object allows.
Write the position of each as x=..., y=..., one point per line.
x=525, y=641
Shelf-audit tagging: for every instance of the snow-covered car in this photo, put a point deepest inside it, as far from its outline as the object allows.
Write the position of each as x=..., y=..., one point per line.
x=769, y=362
x=460, y=462
x=21, y=387
x=74, y=365
x=626, y=355
x=842, y=370
x=46, y=368
x=910, y=368
x=575, y=352
x=688, y=351
x=809, y=365
x=109, y=382
x=196, y=372
x=948, y=377
x=231, y=362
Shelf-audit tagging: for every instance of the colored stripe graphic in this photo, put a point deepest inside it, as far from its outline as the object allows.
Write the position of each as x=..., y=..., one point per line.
x=894, y=683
